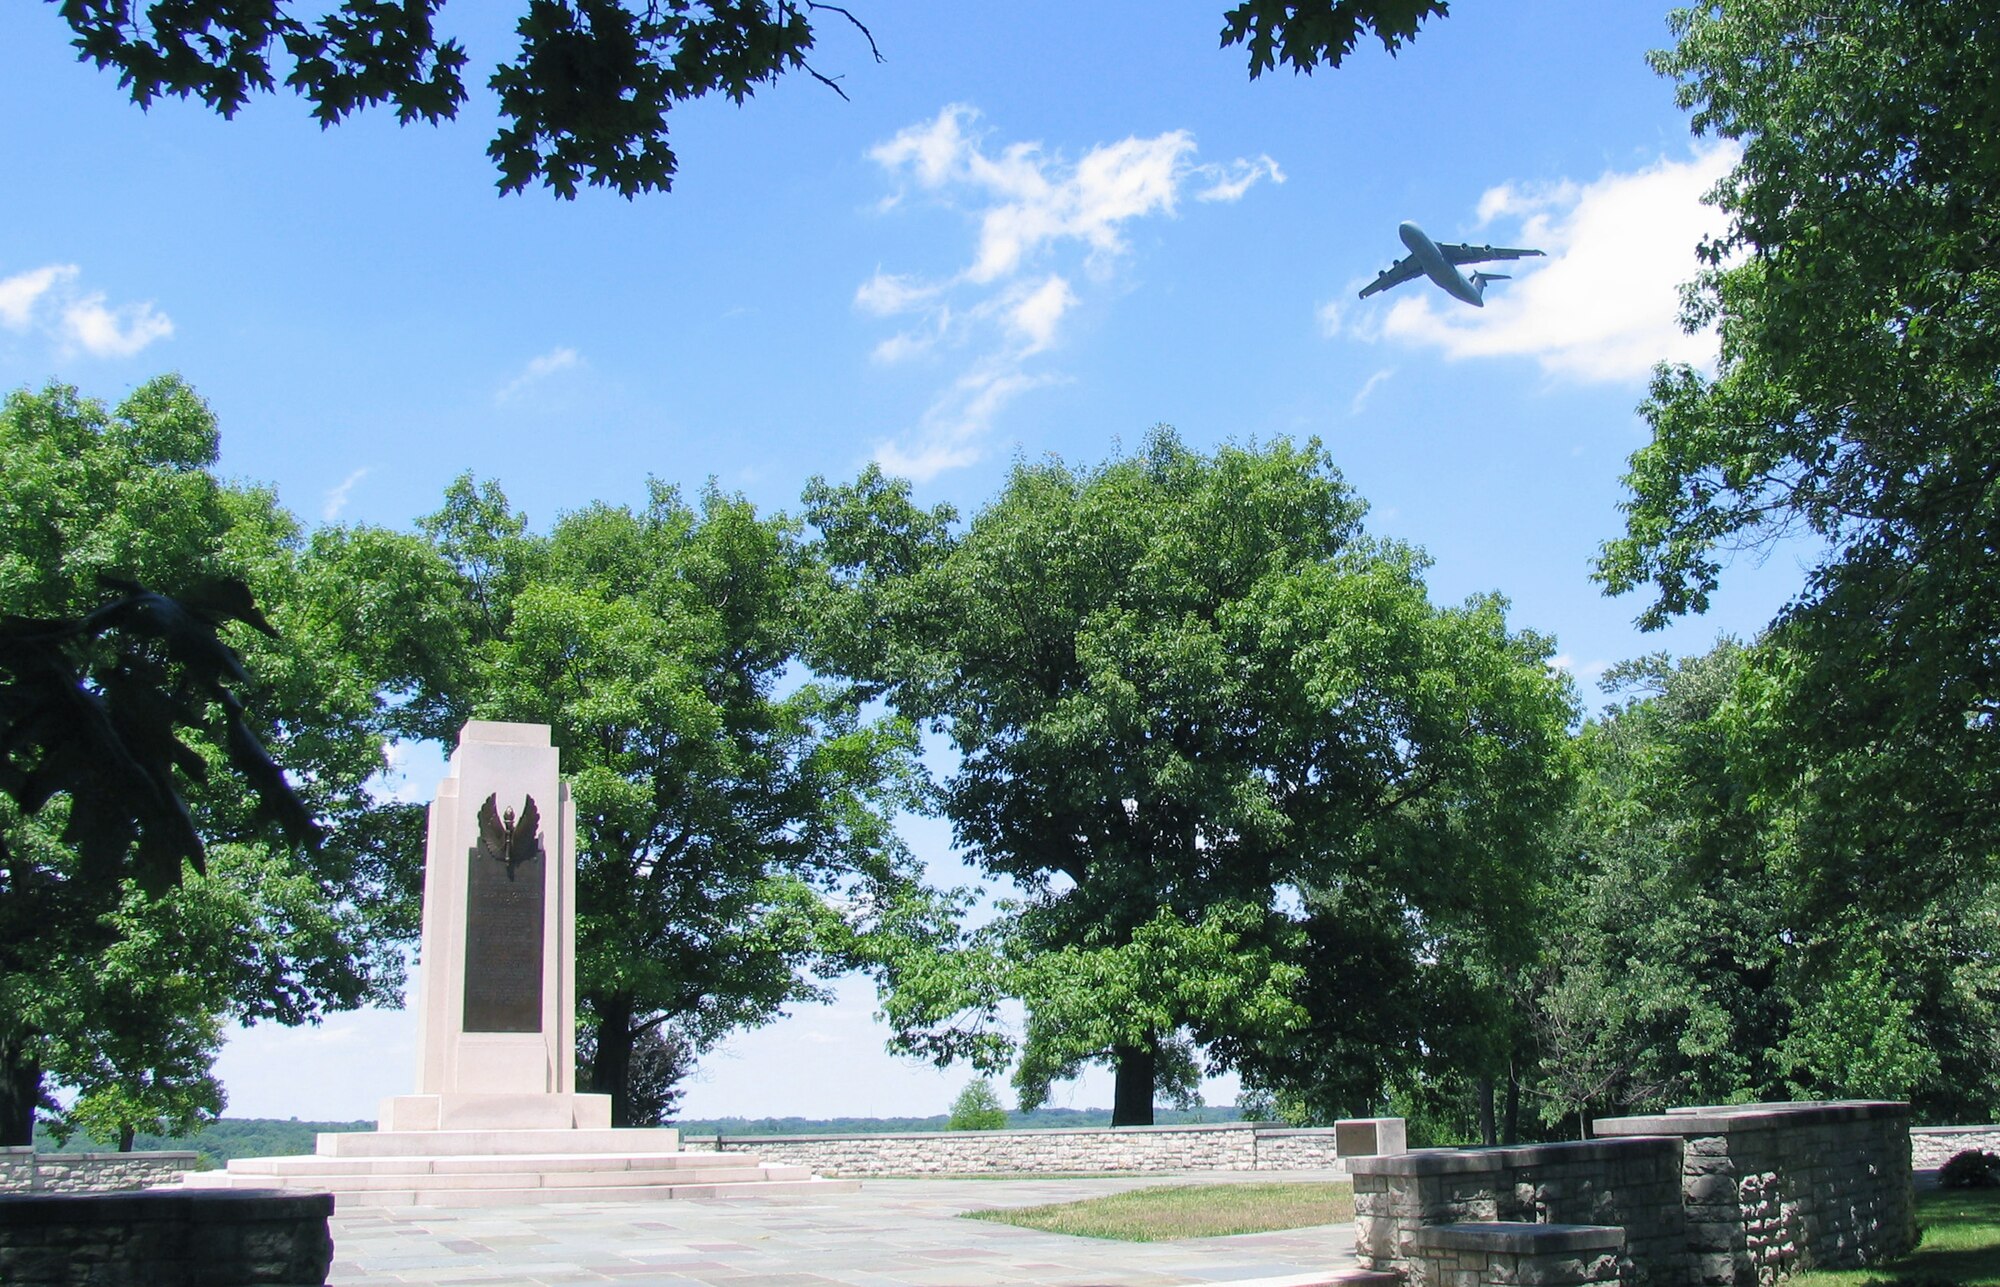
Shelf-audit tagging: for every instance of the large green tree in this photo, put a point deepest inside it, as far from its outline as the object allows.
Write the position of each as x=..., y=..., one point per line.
x=734, y=833
x=1854, y=403
x=122, y=949
x=586, y=98
x=1201, y=718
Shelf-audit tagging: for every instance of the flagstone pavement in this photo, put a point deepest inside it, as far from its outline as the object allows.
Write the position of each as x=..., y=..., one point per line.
x=892, y=1233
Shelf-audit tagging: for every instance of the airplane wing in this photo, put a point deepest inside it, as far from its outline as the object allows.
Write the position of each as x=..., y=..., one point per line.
x=1394, y=275
x=1463, y=254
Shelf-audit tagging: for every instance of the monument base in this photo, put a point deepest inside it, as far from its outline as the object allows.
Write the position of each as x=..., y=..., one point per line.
x=463, y=1168
x=495, y=1112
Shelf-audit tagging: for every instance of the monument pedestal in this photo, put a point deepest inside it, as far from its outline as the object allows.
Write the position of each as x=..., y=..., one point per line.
x=497, y=1117
x=474, y=1112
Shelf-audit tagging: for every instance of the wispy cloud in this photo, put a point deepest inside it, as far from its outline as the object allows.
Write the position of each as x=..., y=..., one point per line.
x=1044, y=224
x=537, y=370
x=336, y=499
x=48, y=299
x=1373, y=383
x=1605, y=305
x=1585, y=673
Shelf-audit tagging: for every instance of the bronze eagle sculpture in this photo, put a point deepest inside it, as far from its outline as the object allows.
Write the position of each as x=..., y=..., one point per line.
x=506, y=838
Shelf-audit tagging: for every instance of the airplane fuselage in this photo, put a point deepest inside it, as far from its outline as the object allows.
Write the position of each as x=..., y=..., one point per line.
x=1437, y=267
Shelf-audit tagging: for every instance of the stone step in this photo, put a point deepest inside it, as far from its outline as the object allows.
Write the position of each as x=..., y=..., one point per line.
x=473, y=1165
x=534, y=1195
x=486, y=1143
x=362, y=1181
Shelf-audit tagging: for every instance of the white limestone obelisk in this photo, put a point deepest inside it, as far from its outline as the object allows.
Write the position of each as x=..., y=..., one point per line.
x=496, y=996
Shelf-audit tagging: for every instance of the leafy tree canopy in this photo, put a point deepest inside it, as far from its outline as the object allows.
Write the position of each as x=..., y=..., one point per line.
x=1857, y=295
x=144, y=894
x=585, y=100
x=1196, y=707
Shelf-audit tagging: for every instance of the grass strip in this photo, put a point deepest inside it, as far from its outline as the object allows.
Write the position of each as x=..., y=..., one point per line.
x=1168, y=1212
x=1960, y=1245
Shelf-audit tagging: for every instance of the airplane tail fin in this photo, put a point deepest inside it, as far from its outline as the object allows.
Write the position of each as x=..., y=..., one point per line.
x=1479, y=281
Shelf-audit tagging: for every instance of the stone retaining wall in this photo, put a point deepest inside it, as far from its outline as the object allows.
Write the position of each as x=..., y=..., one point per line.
x=1726, y=1197
x=1633, y=1184
x=1932, y=1146
x=22, y=1170
x=1771, y=1189
x=216, y=1238
x=1222, y=1146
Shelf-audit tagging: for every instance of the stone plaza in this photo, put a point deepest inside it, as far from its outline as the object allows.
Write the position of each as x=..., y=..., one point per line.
x=890, y=1233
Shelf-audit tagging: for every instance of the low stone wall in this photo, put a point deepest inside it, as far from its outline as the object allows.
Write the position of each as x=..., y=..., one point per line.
x=1932, y=1146
x=22, y=1170
x=1223, y=1146
x=216, y=1238
x=1726, y=1197
x=1632, y=1184
x=1771, y=1189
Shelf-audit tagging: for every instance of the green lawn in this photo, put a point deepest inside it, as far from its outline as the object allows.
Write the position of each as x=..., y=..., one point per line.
x=1187, y=1211
x=1960, y=1245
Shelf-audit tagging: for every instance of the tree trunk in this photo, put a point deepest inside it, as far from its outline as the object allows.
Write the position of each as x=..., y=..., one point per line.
x=1132, y=1095
x=1511, y=1131
x=611, y=1069
x=1482, y=1094
x=125, y=1137
x=20, y=1093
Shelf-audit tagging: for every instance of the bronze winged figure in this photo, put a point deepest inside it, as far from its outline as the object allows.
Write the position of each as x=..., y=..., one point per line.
x=506, y=838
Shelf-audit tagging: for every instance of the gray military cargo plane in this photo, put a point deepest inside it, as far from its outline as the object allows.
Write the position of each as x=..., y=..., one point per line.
x=1439, y=262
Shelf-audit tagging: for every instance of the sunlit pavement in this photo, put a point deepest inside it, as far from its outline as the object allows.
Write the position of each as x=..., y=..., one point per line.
x=893, y=1233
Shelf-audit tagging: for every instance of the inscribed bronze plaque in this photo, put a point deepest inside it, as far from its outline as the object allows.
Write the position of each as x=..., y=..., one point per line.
x=503, y=923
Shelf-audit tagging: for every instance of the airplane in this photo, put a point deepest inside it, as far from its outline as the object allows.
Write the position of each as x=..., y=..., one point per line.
x=1439, y=261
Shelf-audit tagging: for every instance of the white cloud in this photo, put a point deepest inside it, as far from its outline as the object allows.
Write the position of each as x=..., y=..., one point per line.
x=1033, y=317
x=20, y=293
x=887, y=294
x=537, y=370
x=48, y=299
x=1230, y=182
x=1008, y=304
x=102, y=331
x=1373, y=383
x=1605, y=305
x=336, y=499
x=1587, y=673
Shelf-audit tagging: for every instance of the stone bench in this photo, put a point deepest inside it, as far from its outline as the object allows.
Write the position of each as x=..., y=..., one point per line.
x=165, y=1238
x=1507, y=1254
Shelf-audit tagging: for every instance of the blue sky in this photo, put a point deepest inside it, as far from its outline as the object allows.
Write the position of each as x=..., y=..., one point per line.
x=1036, y=228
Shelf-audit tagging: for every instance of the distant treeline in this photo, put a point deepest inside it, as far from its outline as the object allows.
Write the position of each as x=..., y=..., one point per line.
x=1042, y=1119
x=220, y=1141
x=279, y=1137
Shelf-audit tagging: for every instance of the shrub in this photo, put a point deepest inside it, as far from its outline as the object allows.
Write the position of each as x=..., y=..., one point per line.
x=1972, y=1169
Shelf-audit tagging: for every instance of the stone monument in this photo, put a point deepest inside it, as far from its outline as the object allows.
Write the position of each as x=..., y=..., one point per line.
x=496, y=995
x=496, y=1118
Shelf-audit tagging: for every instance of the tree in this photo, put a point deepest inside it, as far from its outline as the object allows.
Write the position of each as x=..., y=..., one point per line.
x=1662, y=980
x=977, y=1108
x=586, y=98
x=1691, y=955
x=1200, y=714
x=734, y=834
x=144, y=888
x=1858, y=302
